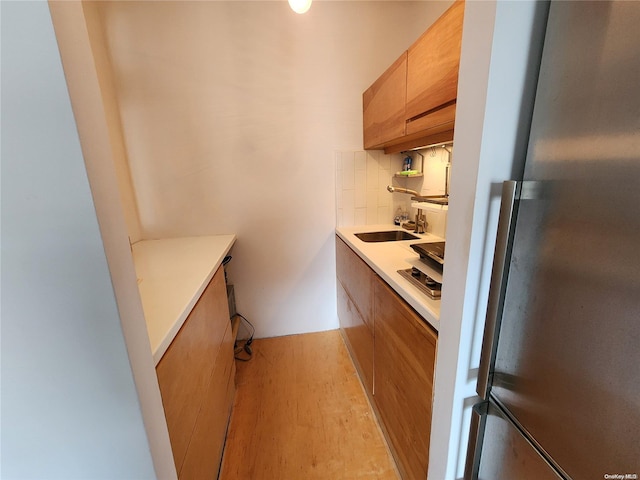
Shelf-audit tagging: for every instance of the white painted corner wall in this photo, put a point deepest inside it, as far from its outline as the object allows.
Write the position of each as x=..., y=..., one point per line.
x=69, y=403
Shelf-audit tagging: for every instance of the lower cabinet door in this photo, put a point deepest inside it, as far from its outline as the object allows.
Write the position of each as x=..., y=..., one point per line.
x=194, y=377
x=359, y=338
x=404, y=359
x=204, y=455
x=356, y=278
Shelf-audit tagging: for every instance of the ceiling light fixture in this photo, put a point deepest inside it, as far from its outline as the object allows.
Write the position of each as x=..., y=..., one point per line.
x=300, y=6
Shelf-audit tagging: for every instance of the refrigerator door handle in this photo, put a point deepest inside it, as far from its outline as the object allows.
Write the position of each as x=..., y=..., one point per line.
x=476, y=434
x=500, y=272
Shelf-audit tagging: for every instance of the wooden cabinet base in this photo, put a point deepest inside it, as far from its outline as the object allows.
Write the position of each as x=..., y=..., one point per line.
x=358, y=337
x=355, y=309
x=196, y=379
x=404, y=359
x=357, y=279
x=207, y=442
x=395, y=361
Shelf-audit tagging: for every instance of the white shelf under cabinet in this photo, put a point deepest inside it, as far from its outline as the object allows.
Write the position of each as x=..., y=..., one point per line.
x=415, y=175
x=430, y=206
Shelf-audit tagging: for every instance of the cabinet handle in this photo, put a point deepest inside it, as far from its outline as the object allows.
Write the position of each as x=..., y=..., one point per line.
x=476, y=434
x=497, y=290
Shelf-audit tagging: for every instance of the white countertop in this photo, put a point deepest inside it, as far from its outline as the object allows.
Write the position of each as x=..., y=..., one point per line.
x=172, y=274
x=386, y=258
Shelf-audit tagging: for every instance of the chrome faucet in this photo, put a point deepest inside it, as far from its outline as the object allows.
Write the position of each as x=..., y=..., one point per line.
x=421, y=222
x=392, y=189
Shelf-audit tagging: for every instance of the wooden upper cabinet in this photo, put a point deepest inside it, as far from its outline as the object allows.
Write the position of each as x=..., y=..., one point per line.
x=414, y=102
x=432, y=65
x=383, y=105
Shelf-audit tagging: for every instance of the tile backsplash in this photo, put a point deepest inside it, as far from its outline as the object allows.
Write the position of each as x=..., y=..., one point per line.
x=361, y=187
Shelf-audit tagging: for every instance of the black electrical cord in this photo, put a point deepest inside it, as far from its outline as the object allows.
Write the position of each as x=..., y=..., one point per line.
x=247, y=343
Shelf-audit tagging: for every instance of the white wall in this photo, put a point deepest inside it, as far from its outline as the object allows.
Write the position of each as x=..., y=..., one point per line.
x=91, y=92
x=101, y=69
x=69, y=404
x=232, y=113
x=500, y=53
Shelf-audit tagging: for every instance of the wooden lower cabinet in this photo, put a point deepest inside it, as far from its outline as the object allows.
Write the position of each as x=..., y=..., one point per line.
x=404, y=358
x=355, y=309
x=357, y=279
x=196, y=379
x=359, y=338
x=394, y=353
x=207, y=442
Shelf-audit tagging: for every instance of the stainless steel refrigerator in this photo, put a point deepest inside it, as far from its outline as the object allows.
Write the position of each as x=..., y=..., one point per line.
x=560, y=367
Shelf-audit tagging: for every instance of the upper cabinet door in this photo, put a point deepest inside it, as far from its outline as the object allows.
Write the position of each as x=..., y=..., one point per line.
x=383, y=105
x=432, y=64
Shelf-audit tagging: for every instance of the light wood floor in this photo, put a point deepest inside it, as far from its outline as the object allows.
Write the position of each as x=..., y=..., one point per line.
x=300, y=413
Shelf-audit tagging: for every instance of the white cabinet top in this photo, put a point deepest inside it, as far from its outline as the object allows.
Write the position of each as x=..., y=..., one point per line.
x=172, y=274
x=386, y=258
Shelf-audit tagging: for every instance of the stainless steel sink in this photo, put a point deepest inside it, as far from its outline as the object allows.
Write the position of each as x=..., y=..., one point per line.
x=388, y=236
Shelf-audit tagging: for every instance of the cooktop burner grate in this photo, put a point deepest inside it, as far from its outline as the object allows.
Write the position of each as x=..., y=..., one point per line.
x=424, y=282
